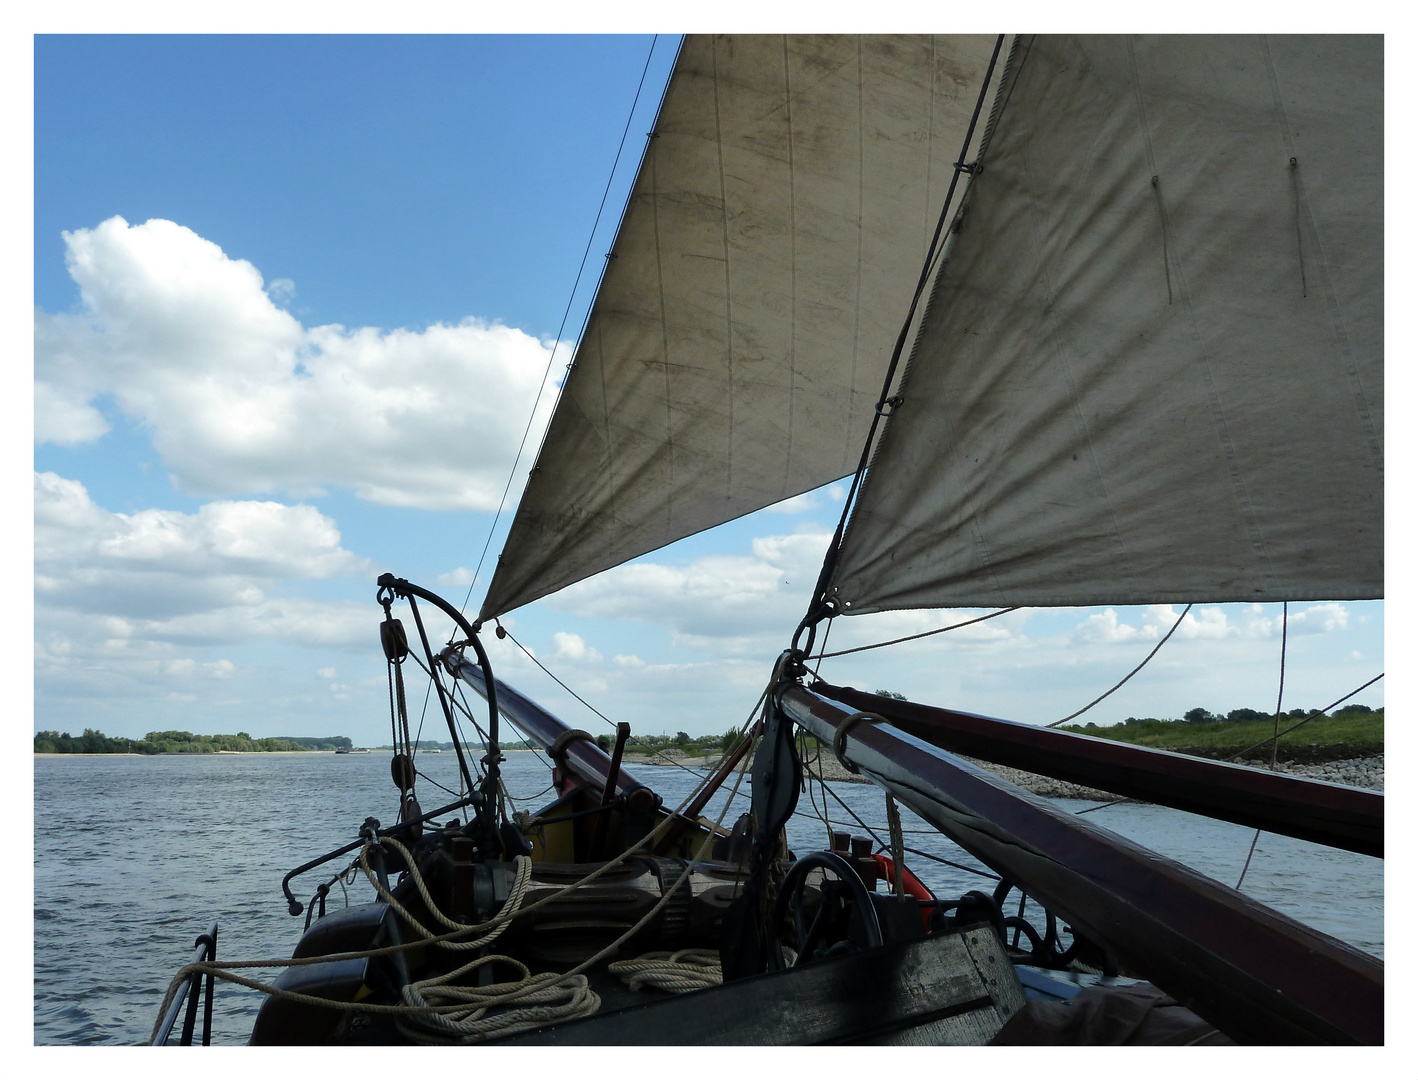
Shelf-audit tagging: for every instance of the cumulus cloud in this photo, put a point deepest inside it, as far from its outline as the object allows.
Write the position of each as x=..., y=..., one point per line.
x=1208, y=623
x=573, y=648
x=239, y=398
x=167, y=575
x=458, y=577
x=732, y=598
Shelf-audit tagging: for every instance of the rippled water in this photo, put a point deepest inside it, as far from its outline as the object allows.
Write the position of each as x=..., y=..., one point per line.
x=136, y=856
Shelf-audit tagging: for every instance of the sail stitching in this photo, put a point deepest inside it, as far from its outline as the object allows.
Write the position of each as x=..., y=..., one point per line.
x=564, y=315
x=792, y=265
x=861, y=229
x=1009, y=75
x=1054, y=334
x=1341, y=330
x=834, y=548
x=1218, y=413
x=728, y=277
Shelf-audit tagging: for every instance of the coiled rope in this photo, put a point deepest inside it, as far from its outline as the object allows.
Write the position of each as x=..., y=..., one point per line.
x=674, y=972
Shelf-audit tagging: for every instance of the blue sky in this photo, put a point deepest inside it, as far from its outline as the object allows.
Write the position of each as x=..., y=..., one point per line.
x=307, y=293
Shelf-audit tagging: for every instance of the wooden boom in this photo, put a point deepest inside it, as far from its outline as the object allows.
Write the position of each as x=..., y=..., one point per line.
x=1311, y=810
x=1259, y=976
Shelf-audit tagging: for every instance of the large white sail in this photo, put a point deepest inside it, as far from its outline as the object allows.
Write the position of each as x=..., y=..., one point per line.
x=738, y=342
x=1152, y=367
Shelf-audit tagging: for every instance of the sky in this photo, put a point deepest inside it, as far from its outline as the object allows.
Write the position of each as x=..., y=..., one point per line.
x=294, y=301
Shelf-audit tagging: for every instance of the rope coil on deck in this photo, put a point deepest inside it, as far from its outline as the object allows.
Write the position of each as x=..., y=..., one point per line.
x=673, y=972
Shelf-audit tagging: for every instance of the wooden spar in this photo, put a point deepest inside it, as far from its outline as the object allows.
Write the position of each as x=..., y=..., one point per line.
x=1259, y=976
x=686, y=820
x=581, y=757
x=1307, y=809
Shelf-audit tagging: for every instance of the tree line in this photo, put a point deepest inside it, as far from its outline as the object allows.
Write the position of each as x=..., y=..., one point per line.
x=1244, y=716
x=177, y=742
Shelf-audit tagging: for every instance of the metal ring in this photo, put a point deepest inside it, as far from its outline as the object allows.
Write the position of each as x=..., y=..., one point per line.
x=565, y=739
x=839, y=737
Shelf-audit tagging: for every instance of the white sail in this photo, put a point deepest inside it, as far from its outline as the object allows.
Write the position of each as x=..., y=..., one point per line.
x=1152, y=367
x=737, y=345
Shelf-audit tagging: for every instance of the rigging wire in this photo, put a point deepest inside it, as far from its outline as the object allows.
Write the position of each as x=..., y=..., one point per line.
x=1129, y=675
x=1280, y=695
x=833, y=549
x=512, y=473
x=1313, y=716
x=1275, y=739
x=911, y=637
x=883, y=845
x=503, y=630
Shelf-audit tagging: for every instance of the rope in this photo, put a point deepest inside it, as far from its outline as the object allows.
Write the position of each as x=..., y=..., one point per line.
x=226, y=970
x=829, y=562
x=512, y=473
x=518, y=992
x=913, y=637
x=1279, y=699
x=673, y=972
x=466, y=1016
x=1129, y=675
x=534, y=988
x=1280, y=694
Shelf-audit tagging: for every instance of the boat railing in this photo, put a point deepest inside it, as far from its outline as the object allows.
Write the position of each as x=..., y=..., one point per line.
x=190, y=995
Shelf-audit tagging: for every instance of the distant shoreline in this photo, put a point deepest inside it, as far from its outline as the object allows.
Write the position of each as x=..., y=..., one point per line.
x=257, y=753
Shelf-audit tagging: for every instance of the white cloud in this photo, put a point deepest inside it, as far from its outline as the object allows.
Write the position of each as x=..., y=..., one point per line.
x=462, y=576
x=573, y=648
x=327, y=673
x=798, y=504
x=1320, y=619
x=732, y=598
x=166, y=575
x=240, y=398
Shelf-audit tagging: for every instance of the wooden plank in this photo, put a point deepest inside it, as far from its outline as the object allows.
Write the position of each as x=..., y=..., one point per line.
x=867, y=996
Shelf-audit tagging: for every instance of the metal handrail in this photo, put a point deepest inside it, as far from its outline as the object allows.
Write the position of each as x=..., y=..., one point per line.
x=191, y=992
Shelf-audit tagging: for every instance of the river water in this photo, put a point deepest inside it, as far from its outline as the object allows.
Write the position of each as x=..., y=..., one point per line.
x=136, y=856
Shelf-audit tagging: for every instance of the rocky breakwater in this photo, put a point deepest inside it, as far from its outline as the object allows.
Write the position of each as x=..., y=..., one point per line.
x=1366, y=772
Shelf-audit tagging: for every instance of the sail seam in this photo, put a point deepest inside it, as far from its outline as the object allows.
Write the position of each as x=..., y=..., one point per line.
x=665, y=334
x=861, y=229
x=870, y=448
x=728, y=276
x=1341, y=330
x=1054, y=329
x=1008, y=77
x=792, y=265
x=1218, y=412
